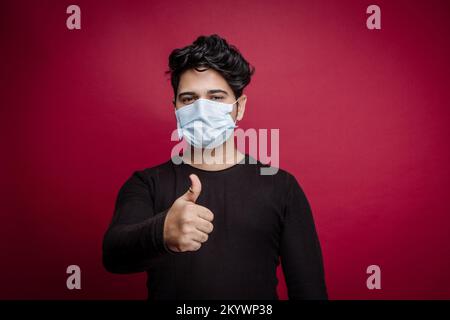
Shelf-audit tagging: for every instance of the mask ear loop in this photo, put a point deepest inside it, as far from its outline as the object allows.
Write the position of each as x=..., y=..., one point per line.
x=237, y=112
x=179, y=131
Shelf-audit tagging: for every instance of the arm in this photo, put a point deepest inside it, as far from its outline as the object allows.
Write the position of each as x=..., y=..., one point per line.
x=135, y=234
x=301, y=256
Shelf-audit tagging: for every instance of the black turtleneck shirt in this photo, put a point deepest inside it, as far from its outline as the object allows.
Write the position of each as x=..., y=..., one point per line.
x=259, y=221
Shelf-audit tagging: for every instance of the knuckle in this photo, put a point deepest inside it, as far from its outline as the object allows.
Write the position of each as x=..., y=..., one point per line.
x=190, y=207
x=187, y=208
x=185, y=245
x=185, y=240
x=185, y=228
x=186, y=219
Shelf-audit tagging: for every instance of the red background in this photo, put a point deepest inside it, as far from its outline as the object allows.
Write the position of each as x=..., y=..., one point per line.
x=363, y=118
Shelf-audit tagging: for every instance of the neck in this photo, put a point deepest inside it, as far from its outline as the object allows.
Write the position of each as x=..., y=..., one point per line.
x=219, y=158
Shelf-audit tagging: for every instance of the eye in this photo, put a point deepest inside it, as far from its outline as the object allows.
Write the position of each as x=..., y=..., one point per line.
x=217, y=98
x=187, y=100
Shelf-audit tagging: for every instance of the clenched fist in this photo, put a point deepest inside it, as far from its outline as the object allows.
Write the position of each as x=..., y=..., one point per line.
x=188, y=224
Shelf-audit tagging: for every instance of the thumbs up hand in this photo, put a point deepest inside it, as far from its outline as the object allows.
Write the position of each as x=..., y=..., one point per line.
x=187, y=224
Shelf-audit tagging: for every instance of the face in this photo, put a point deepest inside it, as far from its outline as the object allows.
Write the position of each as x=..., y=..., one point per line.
x=207, y=84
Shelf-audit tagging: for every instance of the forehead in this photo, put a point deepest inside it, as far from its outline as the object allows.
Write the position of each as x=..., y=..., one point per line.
x=198, y=81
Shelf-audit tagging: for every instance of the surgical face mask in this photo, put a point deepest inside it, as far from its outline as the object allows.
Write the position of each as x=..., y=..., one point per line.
x=205, y=123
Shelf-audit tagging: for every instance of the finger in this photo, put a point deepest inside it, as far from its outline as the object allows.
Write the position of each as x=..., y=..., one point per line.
x=205, y=213
x=204, y=226
x=194, y=190
x=194, y=245
x=199, y=236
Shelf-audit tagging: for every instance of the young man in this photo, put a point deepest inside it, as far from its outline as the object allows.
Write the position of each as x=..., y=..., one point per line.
x=214, y=229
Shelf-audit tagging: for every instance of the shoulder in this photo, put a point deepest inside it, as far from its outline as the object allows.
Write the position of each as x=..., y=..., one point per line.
x=280, y=177
x=161, y=169
x=150, y=175
x=280, y=185
x=276, y=183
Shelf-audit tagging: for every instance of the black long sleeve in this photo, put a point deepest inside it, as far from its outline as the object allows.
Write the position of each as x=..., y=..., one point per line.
x=259, y=220
x=135, y=235
x=300, y=251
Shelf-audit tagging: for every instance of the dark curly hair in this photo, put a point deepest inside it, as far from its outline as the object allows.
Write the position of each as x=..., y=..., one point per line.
x=211, y=52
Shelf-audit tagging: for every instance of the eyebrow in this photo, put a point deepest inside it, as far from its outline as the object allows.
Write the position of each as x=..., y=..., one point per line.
x=192, y=93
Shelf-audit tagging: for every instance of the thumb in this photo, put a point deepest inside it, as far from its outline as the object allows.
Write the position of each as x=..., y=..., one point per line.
x=195, y=189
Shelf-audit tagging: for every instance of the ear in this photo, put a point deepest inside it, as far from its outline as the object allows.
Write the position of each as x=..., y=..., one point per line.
x=241, y=107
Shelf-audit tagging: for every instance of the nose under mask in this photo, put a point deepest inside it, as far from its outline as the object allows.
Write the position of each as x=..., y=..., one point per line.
x=205, y=123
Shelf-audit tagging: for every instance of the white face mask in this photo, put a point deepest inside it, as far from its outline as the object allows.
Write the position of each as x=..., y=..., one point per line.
x=205, y=123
